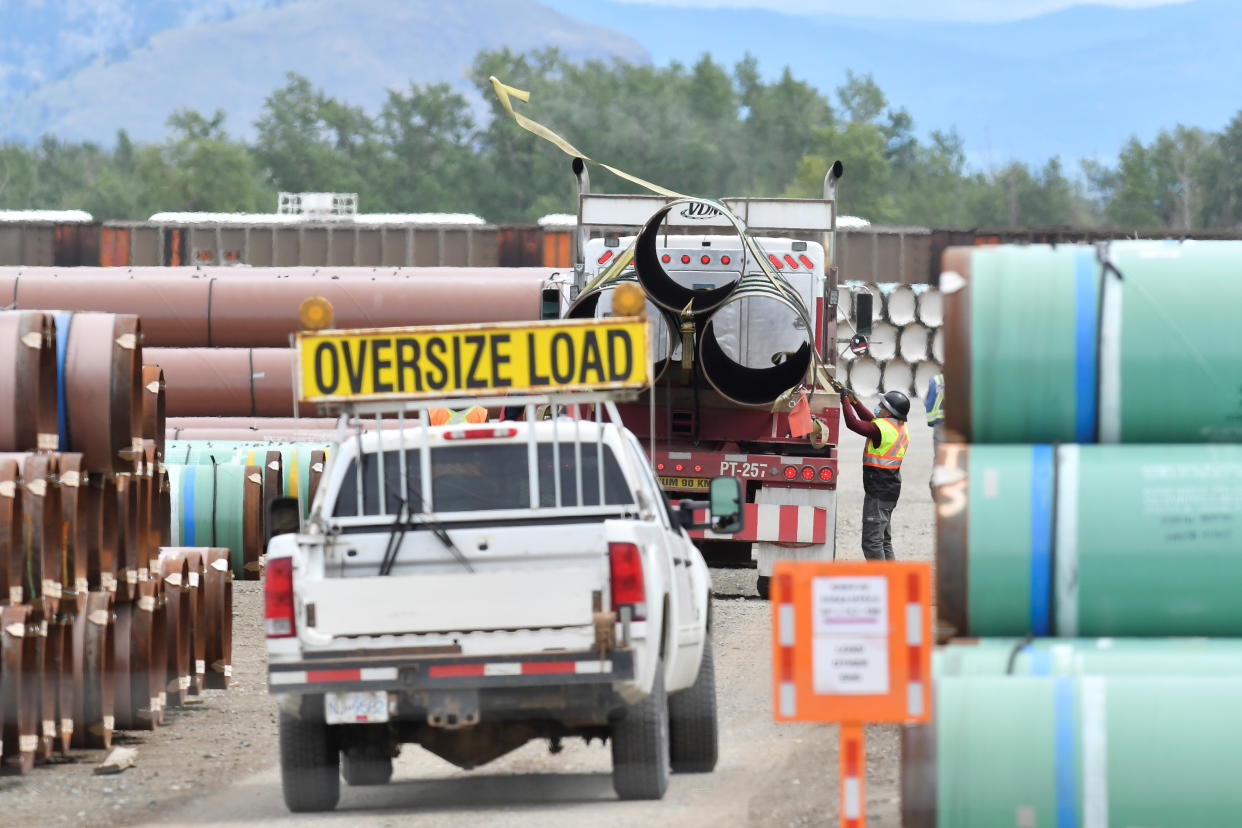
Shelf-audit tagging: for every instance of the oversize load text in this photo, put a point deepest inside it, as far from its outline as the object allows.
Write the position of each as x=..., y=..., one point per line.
x=472, y=362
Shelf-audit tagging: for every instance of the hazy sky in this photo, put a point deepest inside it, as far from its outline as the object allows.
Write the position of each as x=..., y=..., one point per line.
x=980, y=10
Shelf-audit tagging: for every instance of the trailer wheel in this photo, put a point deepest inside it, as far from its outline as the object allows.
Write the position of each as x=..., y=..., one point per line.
x=763, y=586
x=640, y=745
x=309, y=764
x=693, y=734
x=366, y=765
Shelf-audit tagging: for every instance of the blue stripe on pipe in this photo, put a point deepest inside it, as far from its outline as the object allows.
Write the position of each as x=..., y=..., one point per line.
x=1065, y=756
x=1041, y=661
x=187, y=506
x=1041, y=538
x=64, y=321
x=1086, y=345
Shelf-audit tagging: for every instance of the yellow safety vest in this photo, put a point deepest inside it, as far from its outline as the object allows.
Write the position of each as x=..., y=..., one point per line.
x=894, y=439
x=935, y=414
x=444, y=416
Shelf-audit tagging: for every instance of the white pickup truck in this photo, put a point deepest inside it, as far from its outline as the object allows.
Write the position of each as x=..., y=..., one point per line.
x=483, y=586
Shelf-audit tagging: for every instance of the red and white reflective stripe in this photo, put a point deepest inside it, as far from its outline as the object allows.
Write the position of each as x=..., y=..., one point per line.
x=914, y=647
x=518, y=668
x=787, y=696
x=852, y=776
x=332, y=676
x=774, y=523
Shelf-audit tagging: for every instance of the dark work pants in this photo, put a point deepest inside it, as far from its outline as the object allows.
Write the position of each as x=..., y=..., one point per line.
x=877, y=529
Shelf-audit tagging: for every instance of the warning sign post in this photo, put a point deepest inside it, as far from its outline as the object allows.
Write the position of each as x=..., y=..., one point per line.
x=851, y=644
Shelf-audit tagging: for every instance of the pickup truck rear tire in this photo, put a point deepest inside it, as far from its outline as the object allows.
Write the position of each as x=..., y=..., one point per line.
x=309, y=765
x=763, y=586
x=367, y=765
x=693, y=736
x=640, y=745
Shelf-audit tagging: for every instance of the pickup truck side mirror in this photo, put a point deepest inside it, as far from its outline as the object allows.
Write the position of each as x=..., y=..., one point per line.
x=284, y=516
x=727, y=513
x=724, y=505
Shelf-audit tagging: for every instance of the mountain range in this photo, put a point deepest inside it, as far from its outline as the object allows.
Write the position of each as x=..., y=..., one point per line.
x=1075, y=83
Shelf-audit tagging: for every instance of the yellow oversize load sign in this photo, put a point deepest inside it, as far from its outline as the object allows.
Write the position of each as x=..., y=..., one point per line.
x=471, y=360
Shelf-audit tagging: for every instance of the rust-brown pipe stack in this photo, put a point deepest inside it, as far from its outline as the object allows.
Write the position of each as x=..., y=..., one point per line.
x=85, y=596
x=230, y=382
x=254, y=309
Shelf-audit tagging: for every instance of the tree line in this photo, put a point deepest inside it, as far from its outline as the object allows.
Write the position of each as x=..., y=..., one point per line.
x=703, y=129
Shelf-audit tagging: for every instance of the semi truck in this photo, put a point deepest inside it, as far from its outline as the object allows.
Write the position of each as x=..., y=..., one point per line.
x=742, y=294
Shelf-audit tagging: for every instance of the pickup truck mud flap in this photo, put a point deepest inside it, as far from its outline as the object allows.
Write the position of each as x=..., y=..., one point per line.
x=356, y=672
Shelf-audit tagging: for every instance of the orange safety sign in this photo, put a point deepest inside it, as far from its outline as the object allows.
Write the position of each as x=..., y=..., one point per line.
x=851, y=641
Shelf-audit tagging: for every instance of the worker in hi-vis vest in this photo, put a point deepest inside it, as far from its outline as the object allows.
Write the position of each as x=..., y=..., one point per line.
x=887, y=439
x=446, y=416
x=934, y=403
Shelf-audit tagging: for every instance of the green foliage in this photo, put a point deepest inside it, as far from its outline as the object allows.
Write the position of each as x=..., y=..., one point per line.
x=701, y=128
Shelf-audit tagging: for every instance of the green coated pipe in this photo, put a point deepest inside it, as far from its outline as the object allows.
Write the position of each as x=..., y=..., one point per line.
x=1091, y=540
x=1130, y=341
x=1089, y=656
x=295, y=459
x=210, y=509
x=1079, y=750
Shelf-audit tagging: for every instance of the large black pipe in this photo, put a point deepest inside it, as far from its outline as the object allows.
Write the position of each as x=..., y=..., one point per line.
x=662, y=345
x=746, y=385
x=661, y=287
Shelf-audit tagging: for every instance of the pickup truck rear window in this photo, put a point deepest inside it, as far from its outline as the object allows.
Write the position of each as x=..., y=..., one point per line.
x=483, y=477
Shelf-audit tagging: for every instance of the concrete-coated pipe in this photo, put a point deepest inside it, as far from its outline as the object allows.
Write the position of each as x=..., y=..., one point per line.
x=884, y=340
x=235, y=382
x=937, y=345
x=898, y=376
x=28, y=392
x=930, y=307
x=864, y=376
x=900, y=305
x=263, y=312
x=914, y=342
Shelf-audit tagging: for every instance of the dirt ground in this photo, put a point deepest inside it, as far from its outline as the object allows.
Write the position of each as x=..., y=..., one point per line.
x=216, y=762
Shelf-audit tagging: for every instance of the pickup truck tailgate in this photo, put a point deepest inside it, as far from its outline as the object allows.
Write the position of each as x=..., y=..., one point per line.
x=427, y=603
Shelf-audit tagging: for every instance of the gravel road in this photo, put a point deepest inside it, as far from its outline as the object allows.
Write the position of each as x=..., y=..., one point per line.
x=216, y=763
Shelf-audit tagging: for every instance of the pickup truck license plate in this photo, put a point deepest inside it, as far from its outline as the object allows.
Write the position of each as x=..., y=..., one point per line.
x=353, y=708
x=682, y=484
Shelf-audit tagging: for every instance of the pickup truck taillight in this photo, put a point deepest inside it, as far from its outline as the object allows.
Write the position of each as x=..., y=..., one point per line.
x=278, y=595
x=628, y=588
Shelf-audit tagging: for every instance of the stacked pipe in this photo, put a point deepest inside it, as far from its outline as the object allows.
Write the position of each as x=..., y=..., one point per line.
x=222, y=335
x=748, y=337
x=1088, y=515
x=85, y=583
x=220, y=491
x=906, y=340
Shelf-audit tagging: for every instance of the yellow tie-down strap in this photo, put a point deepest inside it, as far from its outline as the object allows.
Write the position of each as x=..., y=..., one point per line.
x=504, y=92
